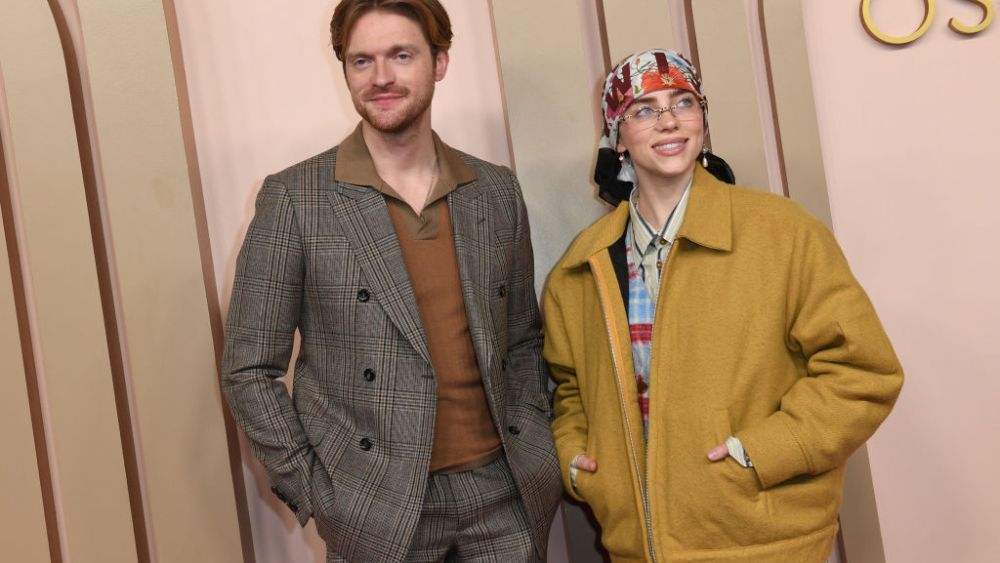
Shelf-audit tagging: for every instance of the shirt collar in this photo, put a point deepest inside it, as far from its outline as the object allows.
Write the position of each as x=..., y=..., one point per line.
x=355, y=166
x=643, y=234
x=708, y=222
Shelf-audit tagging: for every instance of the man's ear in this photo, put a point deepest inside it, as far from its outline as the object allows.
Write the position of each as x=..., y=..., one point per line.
x=440, y=65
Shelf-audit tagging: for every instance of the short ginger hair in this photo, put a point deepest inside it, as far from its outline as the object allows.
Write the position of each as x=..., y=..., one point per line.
x=430, y=15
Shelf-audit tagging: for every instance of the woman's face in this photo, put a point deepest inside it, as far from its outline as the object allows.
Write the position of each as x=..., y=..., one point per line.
x=664, y=149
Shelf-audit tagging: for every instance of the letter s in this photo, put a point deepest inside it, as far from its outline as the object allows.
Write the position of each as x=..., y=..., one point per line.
x=988, y=10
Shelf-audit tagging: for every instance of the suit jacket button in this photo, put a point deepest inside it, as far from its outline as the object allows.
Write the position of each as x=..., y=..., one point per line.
x=514, y=430
x=502, y=291
x=365, y=444
x=369, y=375
x=364, y=296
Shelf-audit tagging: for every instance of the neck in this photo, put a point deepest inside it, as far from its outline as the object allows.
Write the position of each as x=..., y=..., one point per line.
x=405, y=160
x=403, y=152
x=659, y=196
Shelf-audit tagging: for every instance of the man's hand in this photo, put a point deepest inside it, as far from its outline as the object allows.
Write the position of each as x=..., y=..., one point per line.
x=718, y=453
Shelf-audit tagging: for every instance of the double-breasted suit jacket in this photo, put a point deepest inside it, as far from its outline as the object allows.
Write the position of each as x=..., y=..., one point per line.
x=351, y=445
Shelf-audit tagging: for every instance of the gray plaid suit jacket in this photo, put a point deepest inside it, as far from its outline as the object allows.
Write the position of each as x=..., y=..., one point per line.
x=351, y=445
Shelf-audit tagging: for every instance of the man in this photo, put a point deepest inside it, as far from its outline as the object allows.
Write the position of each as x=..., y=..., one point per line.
x=418, y=426
x=716, y=360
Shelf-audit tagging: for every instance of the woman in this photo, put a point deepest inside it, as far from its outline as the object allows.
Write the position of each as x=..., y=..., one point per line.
x=715, y=360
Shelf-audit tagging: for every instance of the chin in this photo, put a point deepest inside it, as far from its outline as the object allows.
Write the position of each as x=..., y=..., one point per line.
x=396, y=122
x=671, y=170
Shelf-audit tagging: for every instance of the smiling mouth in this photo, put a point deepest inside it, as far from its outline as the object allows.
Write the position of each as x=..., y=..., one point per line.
x=378, y=95
x=671, y=147
x=385, y=98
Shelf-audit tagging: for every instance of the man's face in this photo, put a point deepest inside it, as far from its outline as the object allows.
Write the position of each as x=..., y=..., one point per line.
x=391, y=71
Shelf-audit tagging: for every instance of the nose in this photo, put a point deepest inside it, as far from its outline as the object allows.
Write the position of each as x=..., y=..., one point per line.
x=666, y=121
x=384, y=75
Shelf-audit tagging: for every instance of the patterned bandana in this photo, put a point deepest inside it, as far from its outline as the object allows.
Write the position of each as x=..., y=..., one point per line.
x=638, y=75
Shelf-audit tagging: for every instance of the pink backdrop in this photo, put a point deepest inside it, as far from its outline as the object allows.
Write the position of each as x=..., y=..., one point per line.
x=910, y=145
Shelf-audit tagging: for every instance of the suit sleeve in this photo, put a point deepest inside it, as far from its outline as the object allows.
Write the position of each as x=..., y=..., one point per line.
x=263, y=316
x=524, y=324
x=852, y=374
x=569, y=427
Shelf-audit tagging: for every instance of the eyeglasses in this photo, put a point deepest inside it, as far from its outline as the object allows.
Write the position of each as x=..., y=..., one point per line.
x=685, y=109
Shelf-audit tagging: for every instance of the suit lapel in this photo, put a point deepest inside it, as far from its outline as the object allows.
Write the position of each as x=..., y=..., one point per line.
x=364, y=217
x=473, y=226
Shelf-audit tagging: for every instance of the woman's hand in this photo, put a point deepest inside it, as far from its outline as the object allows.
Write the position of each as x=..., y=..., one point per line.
x=718, y=453
x=583, y=462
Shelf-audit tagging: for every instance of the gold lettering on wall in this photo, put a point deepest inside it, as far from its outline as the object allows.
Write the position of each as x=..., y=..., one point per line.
x=869, y=22
x=874, y=31
x=988, y=11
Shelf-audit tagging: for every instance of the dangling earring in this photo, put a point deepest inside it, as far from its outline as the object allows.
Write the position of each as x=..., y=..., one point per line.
x=704, y=156
x=621, y=157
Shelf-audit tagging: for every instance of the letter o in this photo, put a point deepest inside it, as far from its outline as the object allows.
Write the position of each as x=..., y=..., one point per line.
x=874, y=31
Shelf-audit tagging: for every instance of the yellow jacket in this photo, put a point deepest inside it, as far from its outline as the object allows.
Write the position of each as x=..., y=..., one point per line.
x=761, y=332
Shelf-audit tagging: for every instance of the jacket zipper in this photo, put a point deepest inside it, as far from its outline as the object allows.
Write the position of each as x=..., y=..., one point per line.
x=612, y=341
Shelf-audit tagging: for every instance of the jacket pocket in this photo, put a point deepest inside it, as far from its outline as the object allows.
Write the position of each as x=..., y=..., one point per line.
x=329, y=451
x=610, y=495
x=710, y=505
x=738, y=481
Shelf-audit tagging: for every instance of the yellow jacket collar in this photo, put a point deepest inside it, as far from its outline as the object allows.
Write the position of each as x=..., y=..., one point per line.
x=708, y=221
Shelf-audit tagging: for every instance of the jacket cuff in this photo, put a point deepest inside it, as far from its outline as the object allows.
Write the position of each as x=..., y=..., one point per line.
x=296, y=489
x=301, y=507
x=777, y=452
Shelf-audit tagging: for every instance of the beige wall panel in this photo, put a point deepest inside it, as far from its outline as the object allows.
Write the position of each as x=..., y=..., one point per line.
x=169, y=345
x=637, y=25
x=724, y=52
x=551, y=75
x=795, y=106
x=22, y=516
x=68, y=325
x=860, y=529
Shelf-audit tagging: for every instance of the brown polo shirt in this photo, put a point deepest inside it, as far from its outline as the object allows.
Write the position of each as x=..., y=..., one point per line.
x=464, y=434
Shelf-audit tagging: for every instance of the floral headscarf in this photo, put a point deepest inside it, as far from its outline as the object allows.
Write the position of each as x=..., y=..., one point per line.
x=638, y=75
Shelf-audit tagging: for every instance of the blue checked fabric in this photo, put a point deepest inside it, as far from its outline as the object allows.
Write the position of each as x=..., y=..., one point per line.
x=641, y=310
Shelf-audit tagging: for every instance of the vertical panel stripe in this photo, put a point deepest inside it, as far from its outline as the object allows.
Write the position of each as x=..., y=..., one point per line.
x=794, y=105
x=208, y=272
x=90, y=166
x=62, y=297
x=28, y=526
x=724, y=53
x=551, y=91
x=168, y=340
